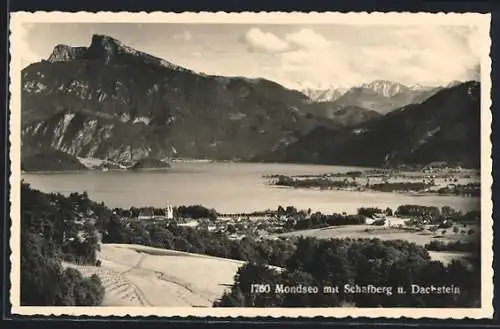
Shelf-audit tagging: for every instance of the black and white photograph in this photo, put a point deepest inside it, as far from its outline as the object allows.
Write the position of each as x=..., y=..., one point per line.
x=251, y=164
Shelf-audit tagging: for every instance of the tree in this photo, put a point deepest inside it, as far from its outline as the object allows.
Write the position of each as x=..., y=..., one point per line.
x=369, y=212
x=241, y=293
x=231, y=229
x=40, y=273
x=69, y=284
x=235, y=298
x=90, y=292
x=290, y=211
x=291, y=279
x=388, y=211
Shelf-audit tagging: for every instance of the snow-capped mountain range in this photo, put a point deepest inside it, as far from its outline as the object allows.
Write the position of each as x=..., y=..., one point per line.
x=383, y=88
x=382, y=96
x=324, y=95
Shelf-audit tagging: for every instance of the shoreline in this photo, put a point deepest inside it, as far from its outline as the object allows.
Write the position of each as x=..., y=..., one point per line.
x=407, y=193
x=214, y=161
x=47, y=172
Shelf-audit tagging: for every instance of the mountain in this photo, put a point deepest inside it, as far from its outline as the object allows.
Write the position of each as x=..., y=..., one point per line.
x=384, y=96
x=111, y=101
x=445, y=127
x=51, y=160
x=323, y=105
x=323, y=94
x=453, y=83
x=385, y=88
x=351, y=116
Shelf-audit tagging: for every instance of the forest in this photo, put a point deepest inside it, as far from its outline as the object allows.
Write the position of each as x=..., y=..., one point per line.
x=336, y=262
x=54, y=229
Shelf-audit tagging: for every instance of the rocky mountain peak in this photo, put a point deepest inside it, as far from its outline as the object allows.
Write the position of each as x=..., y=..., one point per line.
x=106, y=47
x=385, y=88
x=102, y=46
x=65, y=53
x=324, y=94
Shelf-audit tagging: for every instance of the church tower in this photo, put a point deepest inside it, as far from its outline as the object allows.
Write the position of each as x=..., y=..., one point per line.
x=169, y=212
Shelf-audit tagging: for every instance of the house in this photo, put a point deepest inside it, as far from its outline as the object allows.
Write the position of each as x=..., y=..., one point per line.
x=192, y=223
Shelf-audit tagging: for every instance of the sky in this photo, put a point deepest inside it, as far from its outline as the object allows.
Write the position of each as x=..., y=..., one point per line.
x=296, y=56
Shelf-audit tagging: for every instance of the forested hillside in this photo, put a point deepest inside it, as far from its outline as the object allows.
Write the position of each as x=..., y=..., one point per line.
x=364, y=262
x=55, y=229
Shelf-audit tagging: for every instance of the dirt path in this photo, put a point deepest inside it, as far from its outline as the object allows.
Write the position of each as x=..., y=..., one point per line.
x=186, y=286
x=116, y=284
x=164, y=277
x=142, y=276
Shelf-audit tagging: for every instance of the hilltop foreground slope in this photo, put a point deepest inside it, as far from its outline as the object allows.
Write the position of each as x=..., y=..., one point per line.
x=135, y=275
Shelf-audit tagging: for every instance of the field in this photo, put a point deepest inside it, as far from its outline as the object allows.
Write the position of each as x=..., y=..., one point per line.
x=385, y=233
x=447, y=256
x=367, y=181
x=136, y=275
x=395, y=233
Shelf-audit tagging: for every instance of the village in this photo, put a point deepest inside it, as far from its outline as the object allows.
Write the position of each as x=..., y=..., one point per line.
x=436, y=178
x=419, y=224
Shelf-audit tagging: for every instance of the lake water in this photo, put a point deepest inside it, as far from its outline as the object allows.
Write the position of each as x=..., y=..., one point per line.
x=227, y=187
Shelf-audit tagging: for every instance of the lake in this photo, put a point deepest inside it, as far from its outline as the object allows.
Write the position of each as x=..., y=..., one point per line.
x=227, y=187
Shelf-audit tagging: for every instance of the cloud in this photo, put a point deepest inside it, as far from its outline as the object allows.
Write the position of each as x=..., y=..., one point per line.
x=326, y=68
x=298, y=58
x=185, y=36
x=473, y=40
x=343, y=56
x=258, y=40
x=26, y=55
x=307, y=39
x=410, y=55
x=474, y=73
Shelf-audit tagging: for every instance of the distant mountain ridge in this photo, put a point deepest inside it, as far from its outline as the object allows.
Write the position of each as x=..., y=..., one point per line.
x=382, y=96
x=329, y=94
x=444, y=127
x=386, y=88
x=111, y=101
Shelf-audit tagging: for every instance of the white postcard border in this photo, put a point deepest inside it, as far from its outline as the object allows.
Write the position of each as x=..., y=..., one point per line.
x=482, y=21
